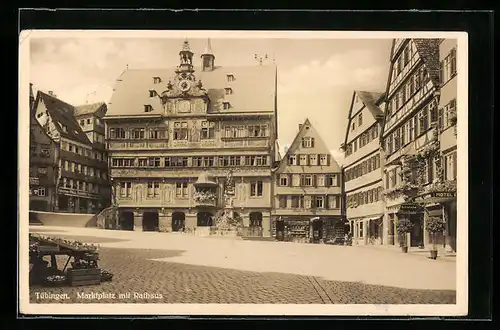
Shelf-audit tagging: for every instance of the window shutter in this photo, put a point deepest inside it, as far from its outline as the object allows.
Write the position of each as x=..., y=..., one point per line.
x=338, y=180
x=278, y=180
x=312, y=142
x=328, y=160
x=315, y=181
x=453, y=60
x=441, y=71
x=454, y=165
x=308, y=160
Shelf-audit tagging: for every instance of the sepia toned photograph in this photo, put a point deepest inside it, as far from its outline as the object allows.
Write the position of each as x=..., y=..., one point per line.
x=242, y=173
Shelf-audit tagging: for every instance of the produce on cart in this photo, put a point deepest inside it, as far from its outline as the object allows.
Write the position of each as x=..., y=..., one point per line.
x=84, y=268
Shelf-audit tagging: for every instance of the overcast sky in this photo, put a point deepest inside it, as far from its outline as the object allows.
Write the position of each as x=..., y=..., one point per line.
x=316, y=77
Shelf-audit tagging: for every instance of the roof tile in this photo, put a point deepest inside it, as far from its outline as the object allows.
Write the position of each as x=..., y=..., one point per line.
x=428, y=50
x=63, y=114
x=253, y=90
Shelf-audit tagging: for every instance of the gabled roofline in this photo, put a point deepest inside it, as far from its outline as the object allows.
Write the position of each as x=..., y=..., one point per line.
x=276, y=102
x=36, y=122
x=349, y=118
x=302, y=128
x=389, y=77
x=57, y=124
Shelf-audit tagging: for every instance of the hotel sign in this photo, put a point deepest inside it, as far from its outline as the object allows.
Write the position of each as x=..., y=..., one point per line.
x=443, y=194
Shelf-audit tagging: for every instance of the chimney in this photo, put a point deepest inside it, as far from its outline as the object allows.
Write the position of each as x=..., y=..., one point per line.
x=300, y=127
x=51, y=93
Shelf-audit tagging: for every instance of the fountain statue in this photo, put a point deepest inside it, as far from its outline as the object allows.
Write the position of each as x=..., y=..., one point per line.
x=225, y=221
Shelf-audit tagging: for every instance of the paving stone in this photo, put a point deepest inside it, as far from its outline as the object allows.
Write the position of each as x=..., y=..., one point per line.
x=182, y=283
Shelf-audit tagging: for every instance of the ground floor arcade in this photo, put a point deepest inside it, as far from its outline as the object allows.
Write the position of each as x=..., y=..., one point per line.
x=255, y=222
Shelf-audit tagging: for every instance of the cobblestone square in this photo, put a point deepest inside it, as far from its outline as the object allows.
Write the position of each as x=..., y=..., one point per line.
x=170, y=268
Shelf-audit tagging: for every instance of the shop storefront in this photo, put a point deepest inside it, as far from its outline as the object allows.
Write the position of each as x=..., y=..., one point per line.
x=307, y=229
x=367, y=230
x=441, y=205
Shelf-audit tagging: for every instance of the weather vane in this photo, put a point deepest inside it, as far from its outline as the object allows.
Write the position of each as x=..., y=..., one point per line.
x=260, y=58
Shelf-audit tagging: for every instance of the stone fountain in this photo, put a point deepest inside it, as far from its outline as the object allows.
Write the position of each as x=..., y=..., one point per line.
x=225, y=223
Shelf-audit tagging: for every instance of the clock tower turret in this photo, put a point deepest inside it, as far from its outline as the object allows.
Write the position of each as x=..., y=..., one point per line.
x=207, y=58
x=186, y=59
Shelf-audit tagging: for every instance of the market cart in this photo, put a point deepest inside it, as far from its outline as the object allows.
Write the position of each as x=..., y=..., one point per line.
x=83, y=259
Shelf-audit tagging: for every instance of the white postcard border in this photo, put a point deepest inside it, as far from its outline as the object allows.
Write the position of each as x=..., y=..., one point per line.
x=458, y=309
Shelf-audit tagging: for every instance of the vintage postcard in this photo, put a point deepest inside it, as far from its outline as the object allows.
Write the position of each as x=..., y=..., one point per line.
x=243, y=173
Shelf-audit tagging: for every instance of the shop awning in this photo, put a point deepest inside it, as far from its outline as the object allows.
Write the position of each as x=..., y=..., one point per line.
x=435, y=212
x=375, y=217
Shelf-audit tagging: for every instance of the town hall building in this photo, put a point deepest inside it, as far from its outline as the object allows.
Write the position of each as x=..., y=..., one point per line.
x=178, y=137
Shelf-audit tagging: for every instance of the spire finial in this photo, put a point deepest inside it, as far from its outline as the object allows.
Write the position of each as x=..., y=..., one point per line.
x=208, y=48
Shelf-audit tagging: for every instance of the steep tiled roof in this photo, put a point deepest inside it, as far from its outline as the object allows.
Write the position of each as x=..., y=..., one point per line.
x=371, y=100
x=253, y=89
x=88, y=109
x=296, y=144
x=428, y=49
x=62, y=113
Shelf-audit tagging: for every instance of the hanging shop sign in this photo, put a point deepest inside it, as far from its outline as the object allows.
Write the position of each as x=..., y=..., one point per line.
x=34, y=180
x=410, y=208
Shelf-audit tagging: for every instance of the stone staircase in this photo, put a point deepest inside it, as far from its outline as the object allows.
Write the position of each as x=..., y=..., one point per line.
x=104, y=218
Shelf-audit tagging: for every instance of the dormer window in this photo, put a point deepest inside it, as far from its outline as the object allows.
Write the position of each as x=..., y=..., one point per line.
x=148, y=108
x=152, y=93
x=156, y=80
x=64, y=128
x=230, y=77
x=226, y=105
x=228, y=90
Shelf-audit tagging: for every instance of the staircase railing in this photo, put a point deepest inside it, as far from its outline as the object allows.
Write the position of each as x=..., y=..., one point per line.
x=107, y=218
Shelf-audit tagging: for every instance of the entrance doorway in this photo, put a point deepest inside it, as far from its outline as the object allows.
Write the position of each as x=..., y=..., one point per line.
x=317, y=230
x=150, y=221
x=39, y=206
x=178, y=221
x=204, y=219
x=126, y=220
x=451, y=210
x=63, y=203
x=417, y=233
x=280, y=229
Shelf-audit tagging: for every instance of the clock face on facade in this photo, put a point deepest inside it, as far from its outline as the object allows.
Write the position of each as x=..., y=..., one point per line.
x=184, y=106
x=184, y=85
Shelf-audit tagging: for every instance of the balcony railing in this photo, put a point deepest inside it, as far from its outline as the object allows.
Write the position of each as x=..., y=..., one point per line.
x=137, y=144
